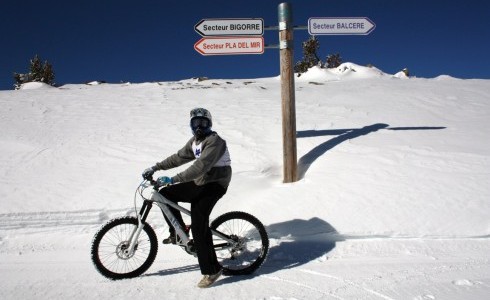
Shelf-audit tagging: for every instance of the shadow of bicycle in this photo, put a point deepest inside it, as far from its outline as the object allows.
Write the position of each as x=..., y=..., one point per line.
x=297, y=242
x=292, y=244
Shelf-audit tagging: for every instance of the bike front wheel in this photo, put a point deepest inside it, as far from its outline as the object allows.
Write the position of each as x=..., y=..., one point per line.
x=250, y=243
x=109, y=245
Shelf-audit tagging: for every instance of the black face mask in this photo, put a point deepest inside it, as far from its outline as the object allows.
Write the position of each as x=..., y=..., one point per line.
x=199, y=134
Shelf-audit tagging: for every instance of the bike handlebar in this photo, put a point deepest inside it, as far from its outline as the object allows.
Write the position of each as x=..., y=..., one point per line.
x=150, y=180
x=153, y=182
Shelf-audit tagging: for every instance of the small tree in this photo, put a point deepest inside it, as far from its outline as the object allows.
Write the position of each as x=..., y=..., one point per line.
x=36, y=69
x=47, y=73
x=38, y=72
x=310, y=57
x=334, y=60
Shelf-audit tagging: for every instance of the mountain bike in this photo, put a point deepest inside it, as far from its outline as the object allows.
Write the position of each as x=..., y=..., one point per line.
x=127, y=246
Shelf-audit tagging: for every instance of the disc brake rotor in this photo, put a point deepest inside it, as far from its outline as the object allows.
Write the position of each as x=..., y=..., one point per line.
x=121, y=250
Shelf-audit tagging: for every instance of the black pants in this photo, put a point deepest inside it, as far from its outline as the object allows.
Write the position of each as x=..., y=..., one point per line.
x=202, y=200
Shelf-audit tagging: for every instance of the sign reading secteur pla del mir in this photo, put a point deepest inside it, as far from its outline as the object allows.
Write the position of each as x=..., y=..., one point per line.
x=340, y=26
x=230, y=36
x=230, y=45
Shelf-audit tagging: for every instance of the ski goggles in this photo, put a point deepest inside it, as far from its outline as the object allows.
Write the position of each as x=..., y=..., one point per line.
x=200, y=122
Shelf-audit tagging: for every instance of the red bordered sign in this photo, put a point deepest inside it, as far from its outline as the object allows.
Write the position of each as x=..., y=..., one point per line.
x=230, y=45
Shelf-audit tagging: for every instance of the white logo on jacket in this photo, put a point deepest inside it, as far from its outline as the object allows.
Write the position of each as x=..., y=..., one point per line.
x=223, y=161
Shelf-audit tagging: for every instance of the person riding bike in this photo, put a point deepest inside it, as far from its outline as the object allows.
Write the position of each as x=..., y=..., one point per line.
x=201, y=185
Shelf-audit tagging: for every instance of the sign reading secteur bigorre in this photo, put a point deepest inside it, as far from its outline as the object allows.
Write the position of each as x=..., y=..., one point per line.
x=230, y=27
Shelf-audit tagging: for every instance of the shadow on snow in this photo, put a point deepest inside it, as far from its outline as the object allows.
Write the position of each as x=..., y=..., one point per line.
x=294, y=243
x=342, y=135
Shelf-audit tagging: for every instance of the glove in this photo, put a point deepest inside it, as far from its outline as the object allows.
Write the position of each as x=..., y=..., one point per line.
x=148, y=173
x=164, y=181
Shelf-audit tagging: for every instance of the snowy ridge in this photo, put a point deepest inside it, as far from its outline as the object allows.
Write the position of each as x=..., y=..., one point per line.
x=391, y=203
x=347, y=71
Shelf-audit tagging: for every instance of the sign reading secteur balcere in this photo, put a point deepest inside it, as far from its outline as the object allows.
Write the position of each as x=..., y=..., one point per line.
x=340, y=26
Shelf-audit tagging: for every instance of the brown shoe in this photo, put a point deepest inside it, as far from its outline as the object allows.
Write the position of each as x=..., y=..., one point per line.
x=170, y=240
x=208, y=280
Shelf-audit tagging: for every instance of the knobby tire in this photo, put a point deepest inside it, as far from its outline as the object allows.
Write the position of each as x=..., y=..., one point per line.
x=111, y=239
x=254, y=247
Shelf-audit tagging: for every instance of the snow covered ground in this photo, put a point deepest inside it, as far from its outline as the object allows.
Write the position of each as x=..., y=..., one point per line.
x=393, y=200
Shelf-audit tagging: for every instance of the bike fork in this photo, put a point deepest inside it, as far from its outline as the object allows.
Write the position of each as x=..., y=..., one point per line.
x=133, y=239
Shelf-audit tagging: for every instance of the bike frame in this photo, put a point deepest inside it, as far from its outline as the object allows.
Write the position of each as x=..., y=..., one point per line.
x=164, y=204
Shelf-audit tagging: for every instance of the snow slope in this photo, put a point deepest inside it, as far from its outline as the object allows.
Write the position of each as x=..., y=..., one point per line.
x=392, y=201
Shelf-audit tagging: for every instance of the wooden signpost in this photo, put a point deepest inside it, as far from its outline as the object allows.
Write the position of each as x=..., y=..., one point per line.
x=244, y=36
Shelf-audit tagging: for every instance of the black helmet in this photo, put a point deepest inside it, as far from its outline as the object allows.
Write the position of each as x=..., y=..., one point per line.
x=201, y=122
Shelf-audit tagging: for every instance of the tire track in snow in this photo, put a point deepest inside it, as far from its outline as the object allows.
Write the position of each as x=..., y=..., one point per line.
x=347, y=282
x=346, y=237
x=301, y=285
x=336, y=278
x=12, y=221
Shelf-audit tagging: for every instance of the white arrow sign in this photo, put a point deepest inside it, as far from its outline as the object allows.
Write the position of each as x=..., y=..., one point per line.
x=231, y=27
x=340, y=26
x=230, y=45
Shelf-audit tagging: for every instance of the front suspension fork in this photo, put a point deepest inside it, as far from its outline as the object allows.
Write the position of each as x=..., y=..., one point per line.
x=133, y=239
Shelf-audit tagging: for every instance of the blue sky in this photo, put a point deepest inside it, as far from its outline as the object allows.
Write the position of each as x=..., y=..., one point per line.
x=141, y=41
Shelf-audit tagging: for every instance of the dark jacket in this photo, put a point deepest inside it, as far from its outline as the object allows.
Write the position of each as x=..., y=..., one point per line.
x=212, y=161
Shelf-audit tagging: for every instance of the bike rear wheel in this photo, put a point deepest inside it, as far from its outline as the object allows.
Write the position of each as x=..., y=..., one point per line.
x=113, y=238
x=251, y=243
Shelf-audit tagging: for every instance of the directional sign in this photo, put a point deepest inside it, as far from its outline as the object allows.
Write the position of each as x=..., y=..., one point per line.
x=230, y=27
x=340, y=26
x=230, y=45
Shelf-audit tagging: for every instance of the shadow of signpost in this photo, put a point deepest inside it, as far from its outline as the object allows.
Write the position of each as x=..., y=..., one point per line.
x=342, y=135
